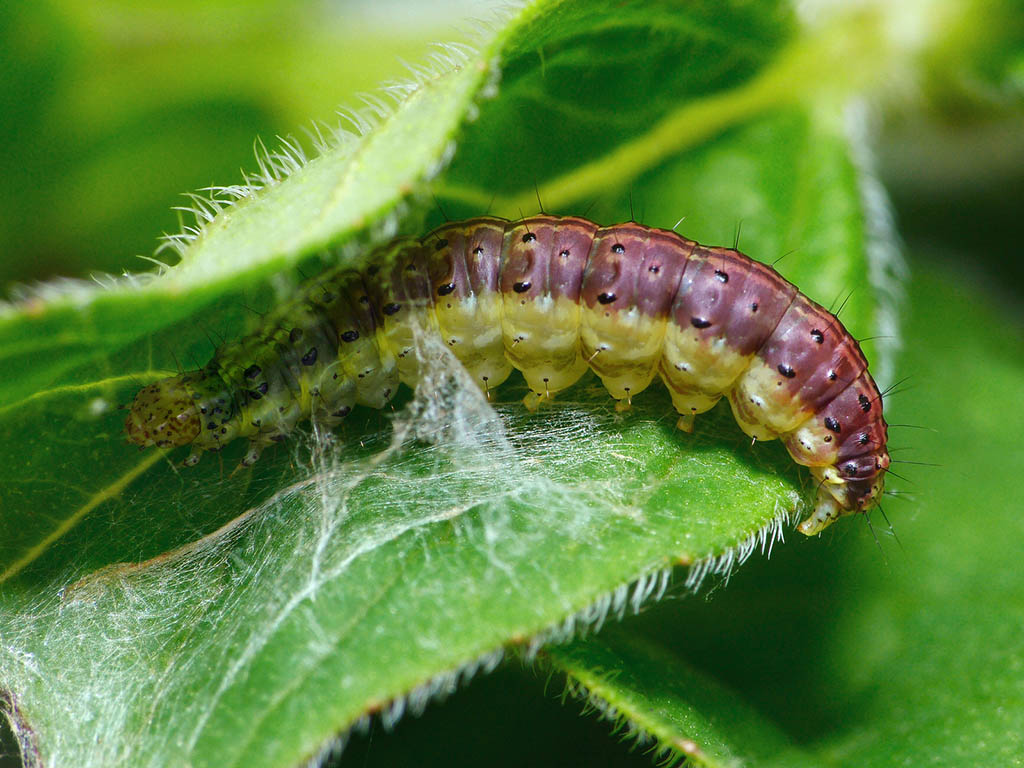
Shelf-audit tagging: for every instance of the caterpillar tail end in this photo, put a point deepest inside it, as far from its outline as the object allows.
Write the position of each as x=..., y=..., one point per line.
x=164, y=414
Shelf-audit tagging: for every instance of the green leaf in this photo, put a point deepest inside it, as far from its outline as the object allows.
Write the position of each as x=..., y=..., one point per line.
x=227, y=618
x=169, y=98
x=665, y=704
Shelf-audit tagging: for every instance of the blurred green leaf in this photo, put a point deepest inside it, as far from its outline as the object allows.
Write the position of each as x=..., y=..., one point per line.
x=928, y=662
x=110, y=111
x=973, y=67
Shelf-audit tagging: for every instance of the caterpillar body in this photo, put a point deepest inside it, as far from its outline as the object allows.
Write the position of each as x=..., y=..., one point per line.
x=550, y=296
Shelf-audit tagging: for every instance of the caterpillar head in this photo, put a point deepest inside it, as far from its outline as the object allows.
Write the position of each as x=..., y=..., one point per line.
x=163, y=414
x=854, y=486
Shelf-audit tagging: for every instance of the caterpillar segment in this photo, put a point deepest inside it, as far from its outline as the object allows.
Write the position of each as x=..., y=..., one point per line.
x=551, y=297
x=629, y=285
x=463, y=263
x=399, y=290
x=540, y=279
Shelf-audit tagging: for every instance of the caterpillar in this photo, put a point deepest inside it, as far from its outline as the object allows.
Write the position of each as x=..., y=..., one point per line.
x=550, y=296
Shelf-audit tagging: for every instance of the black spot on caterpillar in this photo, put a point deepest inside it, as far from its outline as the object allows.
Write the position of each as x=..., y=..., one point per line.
x=628, y=301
